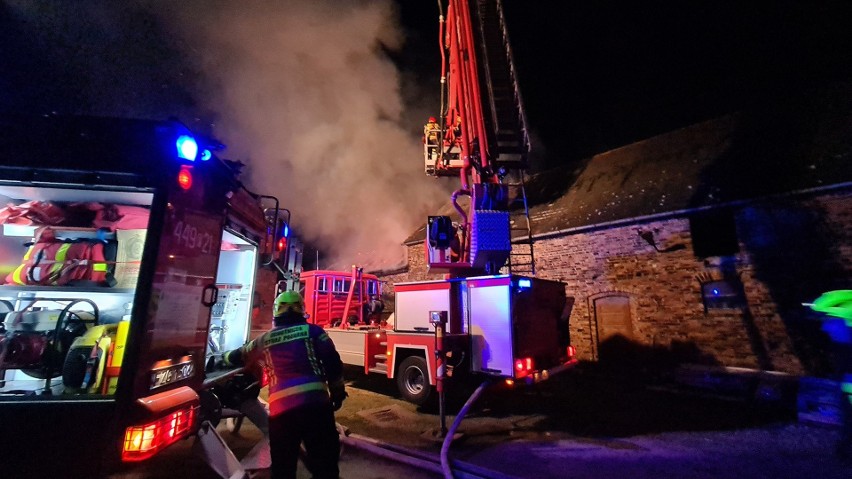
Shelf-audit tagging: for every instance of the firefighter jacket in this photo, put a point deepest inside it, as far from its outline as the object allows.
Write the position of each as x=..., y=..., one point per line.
x=300, y=361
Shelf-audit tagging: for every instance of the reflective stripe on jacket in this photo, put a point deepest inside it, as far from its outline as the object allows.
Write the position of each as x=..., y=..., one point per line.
x=299, y=360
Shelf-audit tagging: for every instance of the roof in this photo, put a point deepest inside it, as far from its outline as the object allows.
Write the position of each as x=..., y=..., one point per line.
x=802, y=145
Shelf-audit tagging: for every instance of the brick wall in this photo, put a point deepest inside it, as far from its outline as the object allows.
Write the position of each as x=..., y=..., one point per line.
x=789, y=252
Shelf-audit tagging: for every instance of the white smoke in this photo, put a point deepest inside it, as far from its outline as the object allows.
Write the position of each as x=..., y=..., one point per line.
x=301, y=91
x=308, y=99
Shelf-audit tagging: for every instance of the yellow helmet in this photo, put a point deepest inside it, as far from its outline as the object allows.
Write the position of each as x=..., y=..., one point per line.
x=288, y=301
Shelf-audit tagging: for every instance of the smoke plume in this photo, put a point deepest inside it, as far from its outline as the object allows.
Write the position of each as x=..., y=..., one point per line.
x=301, y=91
x=307, y=97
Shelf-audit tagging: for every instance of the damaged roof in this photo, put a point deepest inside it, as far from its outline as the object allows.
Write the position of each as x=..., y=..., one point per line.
x=802, y=145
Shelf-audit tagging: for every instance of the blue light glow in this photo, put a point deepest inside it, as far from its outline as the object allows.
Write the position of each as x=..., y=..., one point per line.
x=187, y=148
x=206, y=155
x=715, y=291
x=524, y=283
x=286, y=230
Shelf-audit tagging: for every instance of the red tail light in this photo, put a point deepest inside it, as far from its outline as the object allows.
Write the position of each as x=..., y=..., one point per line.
x=142, y=442
x=523, y=367
x=572, y=351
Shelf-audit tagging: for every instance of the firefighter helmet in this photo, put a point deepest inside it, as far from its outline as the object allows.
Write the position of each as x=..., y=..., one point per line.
x=288, y=301
x=432, y=119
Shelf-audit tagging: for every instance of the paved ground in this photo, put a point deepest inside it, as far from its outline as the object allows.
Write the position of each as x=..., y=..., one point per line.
x=180, y=462
x=601, y=426
x=582, y=426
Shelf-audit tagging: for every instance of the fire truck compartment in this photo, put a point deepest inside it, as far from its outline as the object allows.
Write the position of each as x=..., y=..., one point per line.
x=350, y=344
x=45, y=349
x=230, y=320
x=49, y=353
x=513, y=318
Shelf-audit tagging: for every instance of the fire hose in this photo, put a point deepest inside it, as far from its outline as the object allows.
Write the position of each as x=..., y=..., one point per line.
x=445, y=446
x=450, y=469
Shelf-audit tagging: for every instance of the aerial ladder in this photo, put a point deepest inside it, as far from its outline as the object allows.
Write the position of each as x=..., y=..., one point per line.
x=482, y=138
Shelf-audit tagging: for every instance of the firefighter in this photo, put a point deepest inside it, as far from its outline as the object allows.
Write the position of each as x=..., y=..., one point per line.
x=305, y=388
x=374, y=310
x=456, y=244
x=430, y=131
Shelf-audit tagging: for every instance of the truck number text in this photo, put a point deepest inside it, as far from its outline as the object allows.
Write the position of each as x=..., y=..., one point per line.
x=187, y=236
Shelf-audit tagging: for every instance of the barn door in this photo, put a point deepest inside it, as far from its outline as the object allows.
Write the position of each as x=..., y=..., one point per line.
x=615, y=326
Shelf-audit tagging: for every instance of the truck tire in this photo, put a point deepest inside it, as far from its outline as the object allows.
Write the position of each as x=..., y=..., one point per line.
x=412, y=380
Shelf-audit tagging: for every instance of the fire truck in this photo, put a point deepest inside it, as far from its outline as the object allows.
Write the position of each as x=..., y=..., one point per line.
x=483, y=317
x=505, y=326
x=130, y=254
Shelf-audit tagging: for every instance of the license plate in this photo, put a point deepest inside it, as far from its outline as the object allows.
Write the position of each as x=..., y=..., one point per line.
x=171, y=374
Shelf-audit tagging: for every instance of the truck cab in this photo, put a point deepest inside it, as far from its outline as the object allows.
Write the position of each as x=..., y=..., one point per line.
x=338, y=298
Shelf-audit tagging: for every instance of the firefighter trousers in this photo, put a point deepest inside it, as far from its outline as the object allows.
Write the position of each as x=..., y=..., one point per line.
x=313, y=425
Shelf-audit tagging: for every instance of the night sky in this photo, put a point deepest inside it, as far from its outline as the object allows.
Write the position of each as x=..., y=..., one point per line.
x=597, y=75
x=594, y=75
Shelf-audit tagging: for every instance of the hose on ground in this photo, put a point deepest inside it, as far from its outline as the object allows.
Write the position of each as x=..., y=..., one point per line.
x=445, y=447
x=379, y=449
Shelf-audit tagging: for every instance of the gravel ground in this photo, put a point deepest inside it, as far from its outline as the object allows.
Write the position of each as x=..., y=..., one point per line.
x=598, y=426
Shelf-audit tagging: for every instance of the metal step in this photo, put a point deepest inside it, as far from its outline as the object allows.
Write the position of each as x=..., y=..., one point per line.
x=381, y=369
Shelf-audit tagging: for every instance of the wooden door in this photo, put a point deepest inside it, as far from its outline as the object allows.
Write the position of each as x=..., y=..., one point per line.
x=615, y=327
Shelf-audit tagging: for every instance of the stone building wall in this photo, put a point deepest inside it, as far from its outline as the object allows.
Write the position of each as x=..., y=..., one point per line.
x=789, y=252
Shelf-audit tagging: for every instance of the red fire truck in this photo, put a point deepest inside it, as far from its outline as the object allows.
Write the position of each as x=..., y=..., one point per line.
x=483, y=317
x=130, y=253
x=505, y=326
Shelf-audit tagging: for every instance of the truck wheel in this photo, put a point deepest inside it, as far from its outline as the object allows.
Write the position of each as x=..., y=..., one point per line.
x=412, y=380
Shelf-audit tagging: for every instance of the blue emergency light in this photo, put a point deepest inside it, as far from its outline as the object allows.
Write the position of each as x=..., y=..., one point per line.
x=206, y=155
x=524, y=283
x=187, y=148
